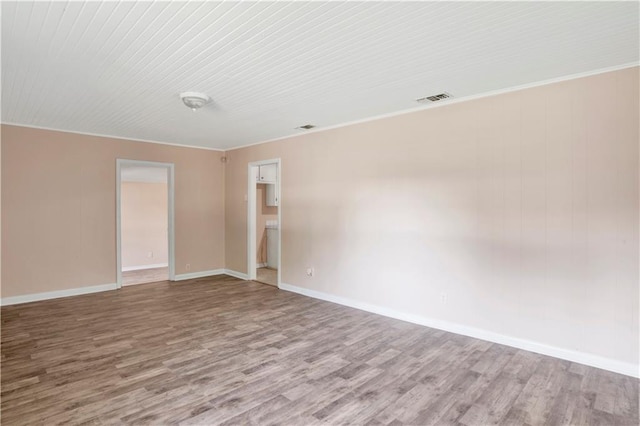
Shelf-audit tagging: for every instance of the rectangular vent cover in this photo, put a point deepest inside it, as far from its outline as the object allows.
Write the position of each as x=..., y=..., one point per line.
x=435, y=98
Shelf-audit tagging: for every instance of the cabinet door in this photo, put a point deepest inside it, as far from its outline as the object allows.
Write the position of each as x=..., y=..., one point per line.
x=271, y=195
x=268, y=173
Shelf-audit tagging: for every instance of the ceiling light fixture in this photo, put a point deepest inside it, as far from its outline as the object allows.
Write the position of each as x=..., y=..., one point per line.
x=194, y=100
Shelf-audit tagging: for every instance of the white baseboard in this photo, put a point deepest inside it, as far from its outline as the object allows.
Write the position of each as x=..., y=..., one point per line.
x=140, y=267
x=5, y=301
x=625, y=368
x=236, y=274
x=261, y=265
x=200, y=274
x=211, y=273
x=14, y=300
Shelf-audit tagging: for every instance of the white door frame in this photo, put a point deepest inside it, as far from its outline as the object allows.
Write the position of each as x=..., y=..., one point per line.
x=170, y=213
x=251, y=216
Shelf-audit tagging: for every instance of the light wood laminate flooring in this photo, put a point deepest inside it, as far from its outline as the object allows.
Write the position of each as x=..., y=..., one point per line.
x=267, y=276
x=143, y=276
x=219, y=350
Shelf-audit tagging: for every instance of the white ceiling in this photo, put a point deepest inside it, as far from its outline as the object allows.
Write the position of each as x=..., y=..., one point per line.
x=116, y=68
x=143, y=174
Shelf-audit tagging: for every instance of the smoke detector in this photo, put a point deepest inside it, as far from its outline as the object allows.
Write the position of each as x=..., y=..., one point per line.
x=195, y=100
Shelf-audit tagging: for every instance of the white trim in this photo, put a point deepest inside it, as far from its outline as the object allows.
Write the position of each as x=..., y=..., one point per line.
x=252, y=173
x=609, y=364
x=6, y=301
x=100, y=135
x=170, y=207
x=251, y=215
x=211, y=273
x=200, y=274
x=261, y=265
x=171, y=188
x=142, y=267
x=279, y=203
x=236, y=274
x=448, y=102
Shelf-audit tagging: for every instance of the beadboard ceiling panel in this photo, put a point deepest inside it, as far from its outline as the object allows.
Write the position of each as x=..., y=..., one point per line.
x=117, y=68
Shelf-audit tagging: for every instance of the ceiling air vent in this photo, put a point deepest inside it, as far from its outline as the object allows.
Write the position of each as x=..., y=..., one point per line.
x=435, y=98
x=306, y=127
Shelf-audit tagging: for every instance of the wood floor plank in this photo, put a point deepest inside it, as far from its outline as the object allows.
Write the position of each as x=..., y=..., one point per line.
x=143, y=276
x=219, y=350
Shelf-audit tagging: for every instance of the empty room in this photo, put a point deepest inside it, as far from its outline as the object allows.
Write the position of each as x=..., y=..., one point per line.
x=320, y=213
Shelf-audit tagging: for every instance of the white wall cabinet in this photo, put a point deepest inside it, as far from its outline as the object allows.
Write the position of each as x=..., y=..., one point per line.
x=268, y=173
x=272, y=195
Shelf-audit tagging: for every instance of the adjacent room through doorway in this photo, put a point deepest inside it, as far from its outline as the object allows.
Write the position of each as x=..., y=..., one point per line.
x=144, y=224
x=266, y=234
x=264, y=211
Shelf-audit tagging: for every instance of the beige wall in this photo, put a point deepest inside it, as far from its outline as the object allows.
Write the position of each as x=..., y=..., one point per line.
x=58, y=208
x=522, y=208
x=144, y=216
x=263, y=214
x=1, y=292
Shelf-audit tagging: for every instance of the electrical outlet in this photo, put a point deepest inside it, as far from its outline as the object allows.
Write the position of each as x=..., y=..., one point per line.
x=310, y=272
x=443, y=298
x=187, y=266
x=150, y=255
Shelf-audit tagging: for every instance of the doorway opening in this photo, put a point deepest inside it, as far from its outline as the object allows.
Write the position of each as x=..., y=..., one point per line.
x=264, y=222
x=144, y=222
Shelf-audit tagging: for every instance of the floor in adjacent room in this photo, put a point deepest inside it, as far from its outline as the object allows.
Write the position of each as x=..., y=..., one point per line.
x=143, y=276
x=224, y=351
x=267, y=276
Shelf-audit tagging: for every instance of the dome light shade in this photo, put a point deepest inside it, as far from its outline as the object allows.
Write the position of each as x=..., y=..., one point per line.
x=194, y=100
